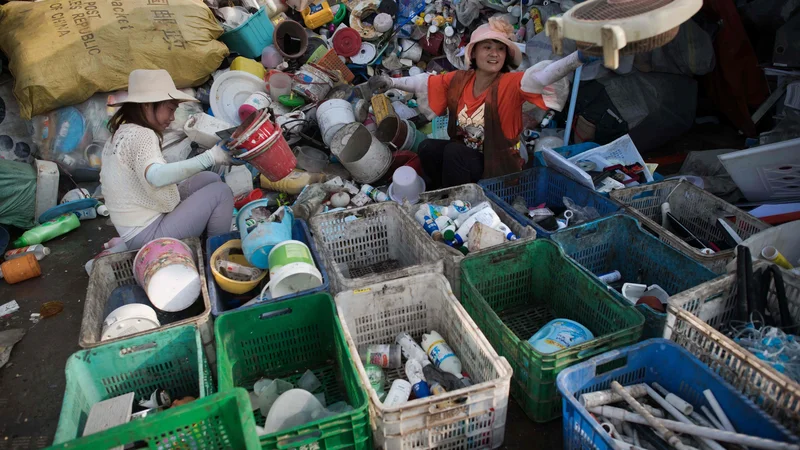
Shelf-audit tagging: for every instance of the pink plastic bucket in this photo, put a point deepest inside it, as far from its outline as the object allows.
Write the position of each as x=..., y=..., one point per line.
x=166, y=269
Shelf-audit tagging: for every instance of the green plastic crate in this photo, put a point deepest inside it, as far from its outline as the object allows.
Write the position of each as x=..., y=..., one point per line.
x=283, y=340
x=512, y=292
x=220, y=421
x=171, y=359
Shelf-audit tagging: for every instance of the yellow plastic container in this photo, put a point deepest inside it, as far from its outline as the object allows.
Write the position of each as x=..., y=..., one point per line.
x=317, y=15
x=225, y=283
x=249, y=65
x=292, y=183
x=381, y=107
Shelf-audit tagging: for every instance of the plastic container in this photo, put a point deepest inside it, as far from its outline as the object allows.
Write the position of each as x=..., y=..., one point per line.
x=46, y=186
x=697, y=210
x=782, y=237
x=172, y=359
x=513, y=291
x=129, y=319
x=290, y=39
x=662, y=362
x=470, y=417
x=543, y=185
x=166, y=269
x=292, y=183
x=332, y=115
x=767, y=172
x=227, y=284
x=114, y=270
x=56, y=227
x=256, y=101
x=249, y=38
x=222, y=302
x=20, y=269
x=372, y=244
x=271, y=57
x=274, y=158
x=313, y=82
x=440, y=353
x=559, y=334
x=311, y=159
x=364, y=156
x=279, y=84
x=406, y=185
x=292, y=269
x=693, y=320
x=258, y=241
x=283, y=340
x=473, y=194
x=39, y=251
x=619, y=243
x=202, y=128
x=317, y=15
x=248, y=65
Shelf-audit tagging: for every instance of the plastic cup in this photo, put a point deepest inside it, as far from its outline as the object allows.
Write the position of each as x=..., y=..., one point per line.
x=279, y=84
x=406, y=185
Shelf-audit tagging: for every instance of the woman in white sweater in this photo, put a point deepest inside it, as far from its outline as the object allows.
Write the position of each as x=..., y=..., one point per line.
x=147, y=197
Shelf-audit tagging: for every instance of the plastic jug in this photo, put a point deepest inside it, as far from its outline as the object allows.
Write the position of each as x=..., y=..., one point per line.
x=257, y=244
x=441, y=354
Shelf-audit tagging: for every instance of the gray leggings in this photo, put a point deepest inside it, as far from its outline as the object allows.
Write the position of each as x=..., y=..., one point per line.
x=206, y=204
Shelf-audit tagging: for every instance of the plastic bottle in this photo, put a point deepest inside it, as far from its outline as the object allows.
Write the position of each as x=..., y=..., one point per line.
x=417, y=379
x=20, y=269
x=373, y=193
x=86, y=214
x=309, y=201
x=485, y=216
x=441, y=354
x=39, y=251
x=471, y=212
x=102, y=210
x=423, y=218
x=383, y=355
x=457, y=208
x=447, y=227
x=48, y=230
x=376, y=378
x=410, y=348
x=398, y=394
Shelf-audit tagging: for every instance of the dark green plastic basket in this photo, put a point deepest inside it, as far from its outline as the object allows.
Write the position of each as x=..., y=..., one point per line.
x=171, y=359
x=221, y=421
x=512, y=292
x=283, y=340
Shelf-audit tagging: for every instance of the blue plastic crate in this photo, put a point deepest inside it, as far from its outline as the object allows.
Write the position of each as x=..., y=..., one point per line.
x=250, y=38
x=542, y=185
x=222, y=302
x=619, y=243
x=671, y=366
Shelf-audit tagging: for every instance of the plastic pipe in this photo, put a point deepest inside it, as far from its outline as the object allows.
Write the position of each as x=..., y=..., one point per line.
x=669, y=436
x=680, y=404
x=622, y=445
x=723, y=419
x=772, y=254
x=573, y=98
x=678, y=415
x=600, y=398
x=712, y=418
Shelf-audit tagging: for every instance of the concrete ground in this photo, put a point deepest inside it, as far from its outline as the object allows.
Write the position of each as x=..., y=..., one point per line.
x=32, y=382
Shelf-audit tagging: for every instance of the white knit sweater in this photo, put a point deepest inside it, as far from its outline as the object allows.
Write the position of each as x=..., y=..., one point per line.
x=131, y=200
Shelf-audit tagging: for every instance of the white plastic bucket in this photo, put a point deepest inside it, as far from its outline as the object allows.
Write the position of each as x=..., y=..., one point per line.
x=332, y=115
x=289, y=252
x=202, y=128
x=293, y=278
x=362, y=154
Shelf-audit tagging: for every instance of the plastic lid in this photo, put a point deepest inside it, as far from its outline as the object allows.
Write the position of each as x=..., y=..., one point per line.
x=341, y=12
x=292, y=101
x=346, y=42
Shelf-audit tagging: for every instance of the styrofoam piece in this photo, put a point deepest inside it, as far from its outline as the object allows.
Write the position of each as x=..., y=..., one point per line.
x=768, y=172
x=230, y=90
x=417, y=305
x=46, y=186
x=621, y=151
x=783, y=238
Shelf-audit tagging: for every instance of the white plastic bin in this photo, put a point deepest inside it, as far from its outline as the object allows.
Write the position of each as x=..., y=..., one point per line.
x=469, y=418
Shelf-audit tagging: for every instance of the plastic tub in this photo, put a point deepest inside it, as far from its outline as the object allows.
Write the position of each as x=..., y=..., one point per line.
x=226, y=284
x=332, y=115
x=250, y=38
x=290, y=39
x=311, y=159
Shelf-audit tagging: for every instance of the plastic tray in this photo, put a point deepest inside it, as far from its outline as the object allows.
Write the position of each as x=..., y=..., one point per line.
x=693, y=318
x=218, y=422
x=471, y=417
x=697, y=209
x=543, y=185
x=223, y=302
x=619, y=243
x=474, y=194
x=171, y=359
x=512, y=292
x=766, y=172
x=283, y=340
x=665, y=363
x=250, y=38
x=371, y=244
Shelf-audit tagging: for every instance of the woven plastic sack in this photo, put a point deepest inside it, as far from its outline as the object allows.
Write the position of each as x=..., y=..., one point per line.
x=18, y=191
x=62, y=52
x=15, y=137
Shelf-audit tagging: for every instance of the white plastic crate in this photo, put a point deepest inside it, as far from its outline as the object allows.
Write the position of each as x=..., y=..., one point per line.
x=474, y=194
x=693, y=319
x=473, y=417
x=371, y=244
x=697, y=209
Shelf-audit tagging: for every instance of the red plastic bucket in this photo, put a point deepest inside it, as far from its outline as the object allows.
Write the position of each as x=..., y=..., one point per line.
x=273, y=158
x=253, y=132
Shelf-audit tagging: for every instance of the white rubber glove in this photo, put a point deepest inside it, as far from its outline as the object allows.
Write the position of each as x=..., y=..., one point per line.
x=160, y=175
x=417, y=84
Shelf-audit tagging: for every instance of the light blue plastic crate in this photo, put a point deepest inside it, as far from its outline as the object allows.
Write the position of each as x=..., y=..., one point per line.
x=542, y=185
x=619, y=243
x=671, y=366
x=250, y=38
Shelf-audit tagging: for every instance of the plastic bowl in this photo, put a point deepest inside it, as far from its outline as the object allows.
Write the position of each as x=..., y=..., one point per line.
x=311, y=159
x=225, y=283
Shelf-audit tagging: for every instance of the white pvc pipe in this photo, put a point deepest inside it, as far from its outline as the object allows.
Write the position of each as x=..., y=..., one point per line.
x=723, y=419
x=678, y=415
x=668, y=435
x=622, y=445
x=682, y=405
x=607, y=397
x=712, y=418
x=694, y=430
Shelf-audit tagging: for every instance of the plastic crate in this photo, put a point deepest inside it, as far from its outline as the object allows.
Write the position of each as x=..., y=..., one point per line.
x=112, y=271
x=222, y=302
x=283, y=340
x=665, y=363
x=250, y=38
x=512, y=292
x=172, y=359
x=219, y=422
x=371, y=244
x=543, y=185
x=619, y=243
x=693, y=320
x=697, y=210
x=468, y=418
x=474, y=194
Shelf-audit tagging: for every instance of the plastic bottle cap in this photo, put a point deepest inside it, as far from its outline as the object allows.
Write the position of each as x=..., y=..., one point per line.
x=291, y=101
x=449, y=235
x=346, y=42
x=433, y=29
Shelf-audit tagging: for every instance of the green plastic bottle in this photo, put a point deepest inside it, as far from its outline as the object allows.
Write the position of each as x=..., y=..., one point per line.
x=60, y=225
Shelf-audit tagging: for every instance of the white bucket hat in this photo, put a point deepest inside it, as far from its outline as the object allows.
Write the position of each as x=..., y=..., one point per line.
x=152, y=86
x=499, y=30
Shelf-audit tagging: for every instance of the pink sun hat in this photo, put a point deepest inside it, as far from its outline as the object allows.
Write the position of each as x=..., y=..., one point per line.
x=499, y=30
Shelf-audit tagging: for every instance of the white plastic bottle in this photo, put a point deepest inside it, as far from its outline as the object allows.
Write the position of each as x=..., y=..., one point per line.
x=398, y=394
x=38, y=250
x=86, y=214
x=447, y=227
x=471, y=212
x=410, y=348
x=417, y=379
x=423, y=218
x=441, y=354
